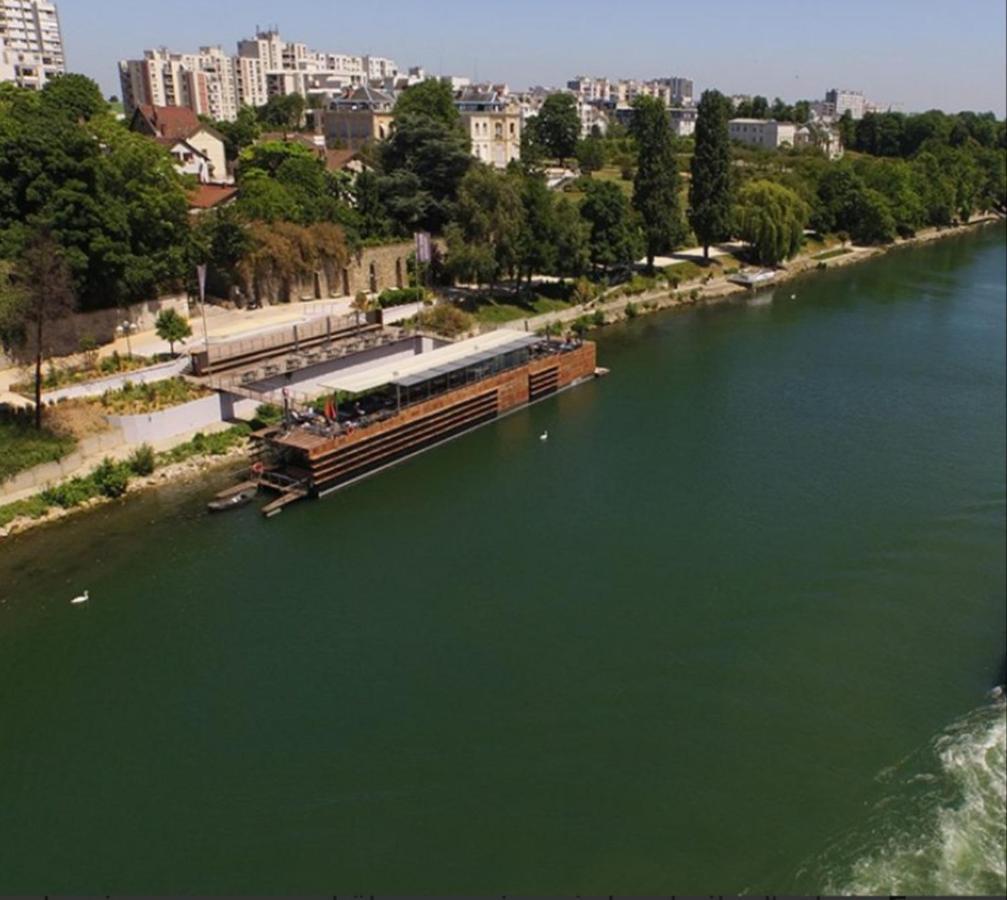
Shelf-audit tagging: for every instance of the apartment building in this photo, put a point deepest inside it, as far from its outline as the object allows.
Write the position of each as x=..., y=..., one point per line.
x=204, y=82
x=839, y=101
x=214, y=83
x=31, y=44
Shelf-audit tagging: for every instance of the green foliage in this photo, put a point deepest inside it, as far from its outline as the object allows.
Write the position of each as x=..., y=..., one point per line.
x=445, y=319
x=400, y=296
x=423, y=164
x=111, y=478
x=283, y=111
x=24, y=446
x=73, y=97
x=267, y=415
x=656, y=194
x=432, y=98
x=216, y=444
x=71, y=493
x=590, y=154
x=485, y=241
x=557, y=126
x=632, y=311
x=172, y=327
x=142, y=460
x=134, y=399
x=615, y=239
x=241, y=133
x=710, y=190
x=771, y=218
x=30, y=508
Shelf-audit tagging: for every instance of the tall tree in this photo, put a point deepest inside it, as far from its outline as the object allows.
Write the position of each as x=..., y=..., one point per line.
x=710, y=194
x=432, y=98
x=490, y=215
x=614, y=239
x=557, y=126
x=656, y=194
x=423, y=163
x=771, y=218
x=36, y=292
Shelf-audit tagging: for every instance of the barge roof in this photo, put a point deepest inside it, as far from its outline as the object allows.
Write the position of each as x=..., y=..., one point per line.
x=424, y=366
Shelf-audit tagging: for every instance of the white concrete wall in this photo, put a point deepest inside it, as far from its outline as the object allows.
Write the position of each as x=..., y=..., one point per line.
x=153, y=427
x=392, y=314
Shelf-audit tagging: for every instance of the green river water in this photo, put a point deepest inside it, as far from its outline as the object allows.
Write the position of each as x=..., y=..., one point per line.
x=732, y=628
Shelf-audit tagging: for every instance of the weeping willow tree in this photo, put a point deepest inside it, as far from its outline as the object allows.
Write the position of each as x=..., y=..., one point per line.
x=771, y=218
x=281, y=256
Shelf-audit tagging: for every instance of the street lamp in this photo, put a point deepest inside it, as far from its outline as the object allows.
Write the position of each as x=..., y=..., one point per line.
x=126, y=328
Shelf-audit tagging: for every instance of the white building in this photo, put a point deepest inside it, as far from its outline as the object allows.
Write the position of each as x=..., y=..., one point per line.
x=493, y=123
x=31, y=45
x=214, y=83
x=683, y=120
x=765, y=133
x=839, y=101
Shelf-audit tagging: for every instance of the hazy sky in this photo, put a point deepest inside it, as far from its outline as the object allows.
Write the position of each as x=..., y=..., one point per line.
x=917, y=53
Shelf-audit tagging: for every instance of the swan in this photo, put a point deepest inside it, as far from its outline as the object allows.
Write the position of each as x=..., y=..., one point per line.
x=83, y=598
x=544, y=436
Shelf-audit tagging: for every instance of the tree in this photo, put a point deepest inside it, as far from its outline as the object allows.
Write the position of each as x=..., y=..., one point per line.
x=614, y=237
x=34, y=293
x=283, y=111
x=710, y=193
x=361, y=304
x=76, y=97
x=427, y=160
x=873, y=220
x=241, y=133
x=557, y=126
x=490, y=215
x=172, y=327
x=572, y=236
x=771, y=218
x=432, y=98
x=590, y=154
x=537, y=241
x=656, y=194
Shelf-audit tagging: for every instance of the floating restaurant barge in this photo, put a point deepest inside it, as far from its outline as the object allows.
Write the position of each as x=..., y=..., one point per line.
x=391, y=410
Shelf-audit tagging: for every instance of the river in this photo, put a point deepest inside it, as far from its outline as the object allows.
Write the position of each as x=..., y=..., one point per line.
x=732, y=628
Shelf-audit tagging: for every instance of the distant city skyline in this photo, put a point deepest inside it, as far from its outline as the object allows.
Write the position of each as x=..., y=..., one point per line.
x=916, y=55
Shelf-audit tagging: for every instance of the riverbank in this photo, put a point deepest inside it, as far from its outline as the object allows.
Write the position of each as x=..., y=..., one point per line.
x=686, y=296
x=172, y=473
x=718, y=289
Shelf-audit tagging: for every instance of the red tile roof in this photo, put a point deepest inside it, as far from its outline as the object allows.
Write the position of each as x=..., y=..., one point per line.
x=169, y=122
x=207, y=196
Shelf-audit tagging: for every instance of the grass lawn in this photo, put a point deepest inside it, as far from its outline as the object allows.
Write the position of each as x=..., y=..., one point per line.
x=494, y=312
x=831, y=254
x=24, y=447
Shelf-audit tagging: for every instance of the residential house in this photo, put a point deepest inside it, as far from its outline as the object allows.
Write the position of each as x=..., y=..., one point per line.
x=493, y=124
x=198, y=149
x=362, y=116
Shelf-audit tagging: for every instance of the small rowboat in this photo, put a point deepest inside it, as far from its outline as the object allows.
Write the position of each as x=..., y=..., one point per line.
x=234, y=501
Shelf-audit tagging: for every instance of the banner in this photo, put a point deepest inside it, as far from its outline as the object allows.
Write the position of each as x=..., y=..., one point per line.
x=423, y=252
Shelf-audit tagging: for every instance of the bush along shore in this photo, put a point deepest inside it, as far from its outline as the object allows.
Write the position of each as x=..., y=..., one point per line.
x=111, y=480
x=627, y=302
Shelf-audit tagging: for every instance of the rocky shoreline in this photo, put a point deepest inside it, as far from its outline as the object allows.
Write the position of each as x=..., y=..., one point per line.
x=189, y=470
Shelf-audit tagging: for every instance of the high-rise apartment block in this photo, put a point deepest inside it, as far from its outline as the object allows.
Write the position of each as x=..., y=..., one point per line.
x=214, y=83
x=31, y=45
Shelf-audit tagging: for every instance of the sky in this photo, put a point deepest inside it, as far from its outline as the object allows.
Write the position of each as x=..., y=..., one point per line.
x=918, y=54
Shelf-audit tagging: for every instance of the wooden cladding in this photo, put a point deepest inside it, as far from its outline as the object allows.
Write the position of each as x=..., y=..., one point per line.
x=543, y=383
x=329, y=469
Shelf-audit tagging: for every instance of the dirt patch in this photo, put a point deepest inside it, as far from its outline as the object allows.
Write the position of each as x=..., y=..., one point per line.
x=75, y=419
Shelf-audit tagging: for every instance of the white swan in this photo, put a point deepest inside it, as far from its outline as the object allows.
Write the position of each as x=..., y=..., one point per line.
x=544, y=436
x=83, y=598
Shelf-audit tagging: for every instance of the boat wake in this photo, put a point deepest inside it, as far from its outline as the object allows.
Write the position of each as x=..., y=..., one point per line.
x=941, y=830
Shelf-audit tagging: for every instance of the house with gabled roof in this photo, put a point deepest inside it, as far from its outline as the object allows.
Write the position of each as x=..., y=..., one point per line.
x=197, y=148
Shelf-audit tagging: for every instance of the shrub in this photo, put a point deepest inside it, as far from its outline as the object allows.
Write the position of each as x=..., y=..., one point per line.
x=111, y=478
x=142, y=460
x=32, y=507
x=598, y=318
x=694, y=294
x=631, y=311
x=400, y=296
x=71, y=493
x=268, y=414
x=445, y=319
